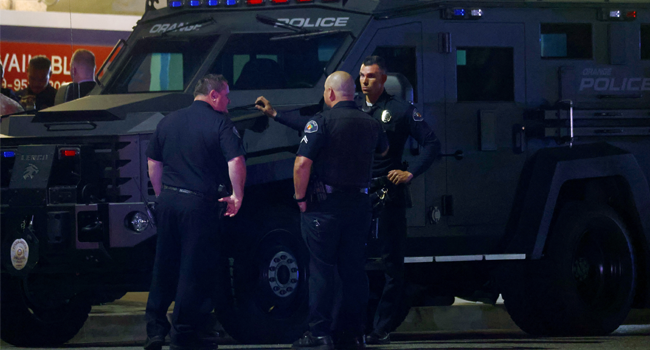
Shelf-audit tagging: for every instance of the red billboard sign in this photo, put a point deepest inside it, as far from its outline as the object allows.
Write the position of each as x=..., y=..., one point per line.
x=15, y=58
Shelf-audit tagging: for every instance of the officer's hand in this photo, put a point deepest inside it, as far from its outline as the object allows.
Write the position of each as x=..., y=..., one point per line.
x=263, y=105
x=399, y=177
x=234, y=204
x=302, y=206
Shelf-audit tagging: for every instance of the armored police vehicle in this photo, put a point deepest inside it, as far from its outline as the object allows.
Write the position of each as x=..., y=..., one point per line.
x=541, y=193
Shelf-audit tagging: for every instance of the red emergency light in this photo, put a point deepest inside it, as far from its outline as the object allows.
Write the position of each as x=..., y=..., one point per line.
x=305, y=0
x=280, y=1
x=254, y=2
x=68, y=152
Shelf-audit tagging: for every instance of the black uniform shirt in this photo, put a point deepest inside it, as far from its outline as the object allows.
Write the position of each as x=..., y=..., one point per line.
x=78, y=90
x=342, y=142
x=44, y=99
x=195, y=144
x=400, y=119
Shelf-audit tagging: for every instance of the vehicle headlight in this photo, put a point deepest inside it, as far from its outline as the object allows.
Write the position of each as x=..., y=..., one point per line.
x=137, y=221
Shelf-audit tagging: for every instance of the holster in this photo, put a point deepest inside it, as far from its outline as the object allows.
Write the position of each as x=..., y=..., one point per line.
x=380, y=188
x=316, y=191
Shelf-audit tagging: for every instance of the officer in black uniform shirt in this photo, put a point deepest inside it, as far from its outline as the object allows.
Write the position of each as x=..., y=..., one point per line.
x=340, y=144
x=39, y=94
x=191, y=153
x=400, y=119
x=82, y=72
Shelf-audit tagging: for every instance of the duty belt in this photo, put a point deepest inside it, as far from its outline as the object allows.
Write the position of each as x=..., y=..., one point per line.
x=186, y=191
x=346, y=189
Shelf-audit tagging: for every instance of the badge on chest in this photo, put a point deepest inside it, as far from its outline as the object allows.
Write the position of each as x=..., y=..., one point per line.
x=386, y=116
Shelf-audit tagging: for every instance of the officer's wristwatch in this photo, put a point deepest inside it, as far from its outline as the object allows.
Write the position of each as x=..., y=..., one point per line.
x=303, y=199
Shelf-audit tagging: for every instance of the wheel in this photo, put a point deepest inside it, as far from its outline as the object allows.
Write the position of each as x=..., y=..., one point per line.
x=269, y=282
x=584, y=284
x=34, y=314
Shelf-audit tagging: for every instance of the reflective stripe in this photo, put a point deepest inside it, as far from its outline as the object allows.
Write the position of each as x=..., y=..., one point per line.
x=418, y=259
x=452, y=258
x=455, y=258
x=505, y=257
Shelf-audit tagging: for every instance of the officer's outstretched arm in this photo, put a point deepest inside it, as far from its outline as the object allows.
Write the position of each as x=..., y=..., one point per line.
x=155, y=175
x=237, y=174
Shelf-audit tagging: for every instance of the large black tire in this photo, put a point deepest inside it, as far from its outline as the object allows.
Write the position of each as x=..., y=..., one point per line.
x=33, y=322
x=269, y=281
x=584, y=284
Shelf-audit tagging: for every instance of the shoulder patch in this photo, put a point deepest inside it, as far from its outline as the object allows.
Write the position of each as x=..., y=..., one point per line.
x=417, y=116
x=311, y=127
x=234, y=130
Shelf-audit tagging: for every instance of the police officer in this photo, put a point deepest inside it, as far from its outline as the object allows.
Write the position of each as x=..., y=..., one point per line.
x=400, y=120
x=191, y=153
x=340, y=144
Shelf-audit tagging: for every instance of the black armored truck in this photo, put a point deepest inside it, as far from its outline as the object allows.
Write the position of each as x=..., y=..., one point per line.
x=540, y=194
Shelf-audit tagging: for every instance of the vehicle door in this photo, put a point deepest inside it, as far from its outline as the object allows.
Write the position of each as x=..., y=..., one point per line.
x=485, y=94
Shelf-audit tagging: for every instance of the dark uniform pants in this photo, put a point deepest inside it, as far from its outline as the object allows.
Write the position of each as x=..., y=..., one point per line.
x=335, y=234
x=390, y=247
x=185, y=268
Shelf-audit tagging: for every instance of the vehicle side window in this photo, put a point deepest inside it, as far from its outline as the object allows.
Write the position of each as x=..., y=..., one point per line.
x=566, y=40
x=485, y=74
x=645, y=41
x=401, y=59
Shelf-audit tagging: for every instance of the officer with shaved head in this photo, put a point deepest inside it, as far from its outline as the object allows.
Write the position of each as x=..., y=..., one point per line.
x=336, y=153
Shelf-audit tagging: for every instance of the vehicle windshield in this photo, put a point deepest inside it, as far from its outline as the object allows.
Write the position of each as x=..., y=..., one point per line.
x=162, y=64
x=255, y=62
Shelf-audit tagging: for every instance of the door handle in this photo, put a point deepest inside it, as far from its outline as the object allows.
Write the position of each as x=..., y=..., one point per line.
x=458, y=154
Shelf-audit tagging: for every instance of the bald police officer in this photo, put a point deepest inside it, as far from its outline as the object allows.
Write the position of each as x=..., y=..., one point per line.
x=400, y=119
x=339, y=145
x=191, y=153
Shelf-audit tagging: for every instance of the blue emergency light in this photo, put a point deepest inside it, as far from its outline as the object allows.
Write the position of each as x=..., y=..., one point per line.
x=462, y=13
x=175, y=3
x=213, y=2
x=194, y=3
x=8, y=154
x=231, y=2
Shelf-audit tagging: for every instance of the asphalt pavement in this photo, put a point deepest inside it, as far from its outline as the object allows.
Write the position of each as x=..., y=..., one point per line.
x=464, y=325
